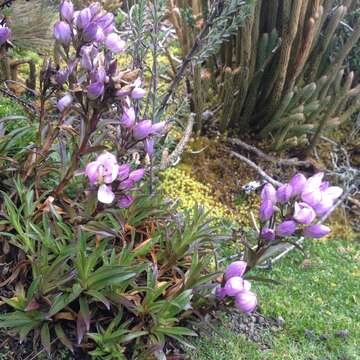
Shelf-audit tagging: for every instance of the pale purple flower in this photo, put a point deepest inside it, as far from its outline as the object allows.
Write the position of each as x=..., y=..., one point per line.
x=149, y=146
x=103, y=170
x=5, y=34
x=324, y=185
x=237, y=268
x=62, y=32
x=64, y=102
x=128, y=118
x=106, y=23
x=114, y=43
x=100, y=35
x=125, y=201
x=286, y=228
x=92, y=171
x=297, y=183
x=142, y=130
x=158, y=127
x=62, y=76
x=333, y=192
x=126, y=184
x=95, y=90
x=90, y=32
x=268, y=234
x=324, y=205
x=136, y=175
x=234, y=285
x=105, y=194
x=138, y=93
x=83, y=18
x=98, y=75
x=67, y=10
x=284, y=193
x=303, y=213
x=316, y=231
x=246, y=301
x=266, y=210
x=123, y=172
x=268, y=192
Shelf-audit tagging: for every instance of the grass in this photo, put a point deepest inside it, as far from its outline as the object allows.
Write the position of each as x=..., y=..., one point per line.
x=321, y=296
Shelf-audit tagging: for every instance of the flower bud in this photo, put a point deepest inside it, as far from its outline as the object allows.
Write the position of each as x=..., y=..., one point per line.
x=311, y=194
x=303, y=213
x=64, y=102
x=246, y=301
x=138, y=93
x=62, y=76
x=95, y=90
x=83, y=18
x=5, y=34
x=62, y=32
x=149, y=146
x=284, y=193
x=286, y=228
x=237, y=268
x=268, y=234
x=126, y=184
x=106, y=23
x=158, y=127
x=268, y=192
x=136, y=175
x=324, y=205
x=266, y=210
x=114, y=43
x=220, y=293
x=123, y=172
x=316, y=231
x=142, y=130
x=90, y=33
x=234, y=285
x=128, y=118
x=67, y=10
x=333, y=192
x=125, y=201
x=297, y=183
x=92, y=171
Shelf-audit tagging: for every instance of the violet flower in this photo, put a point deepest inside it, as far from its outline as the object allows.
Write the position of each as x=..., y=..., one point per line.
x=125, y=201
x=246, y=301
x=105, y=194
x=234, y=285
x=67, y=10
x=5, y=34
x=316, y=231
x=142, y=130
x=149, y=146
x=95, y=90
x=82, y=18
x=114, y=43
x=62, y=32
x=128, y=118
x=64, y=102
x=284, y=193
x=266, y=210
x=297, y=183
x=237, y=268
x=268, y=192
x=303, y=213
x=268, y=234
x=286, y=228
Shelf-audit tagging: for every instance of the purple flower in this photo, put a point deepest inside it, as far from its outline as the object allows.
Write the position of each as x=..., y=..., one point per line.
x=138, y=93
x=142, y=130
x=103, y=170
x=67, y=10
x=311, y=195
x=237, y=268
x=87, y=54
x=284, y=193
x=106, y=23
x=324, y=185
x=83, y=18
x=114, y=43
x=149, y=146
x=303, y=213
x=266, y=210
x=297, y=183
x=62, y=32
x=62, y=76
x=316, y=231
x=324, y=205
x=136, y=175
x=246, y=301
x=158, y=127
x=99, y=75
x=64, y=102
x=123, y=172
x=234, y=285
x=105, y=194
x=286, y=228
x=128, y=118
x=333, y=192
x=90, y=33
x=92, y=171
x=220, y=293
x=268, y=192
x=268, y=234
x=95, y=90
x=126, y=184
x=5, y=34
x=125, y=201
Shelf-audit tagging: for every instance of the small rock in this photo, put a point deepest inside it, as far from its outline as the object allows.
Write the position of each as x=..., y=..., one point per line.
x=251, y=328
x=280, y=321
x=260, y=320
x=343, y=333
x=309, y=334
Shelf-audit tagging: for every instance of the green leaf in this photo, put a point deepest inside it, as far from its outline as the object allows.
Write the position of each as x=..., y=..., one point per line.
x=45, y=337
x=63, y=338
x=176, y=330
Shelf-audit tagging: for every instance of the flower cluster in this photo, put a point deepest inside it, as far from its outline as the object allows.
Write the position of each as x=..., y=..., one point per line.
x=5, y=34
x=298, y=203
x=235, y=286
x=105, y=172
